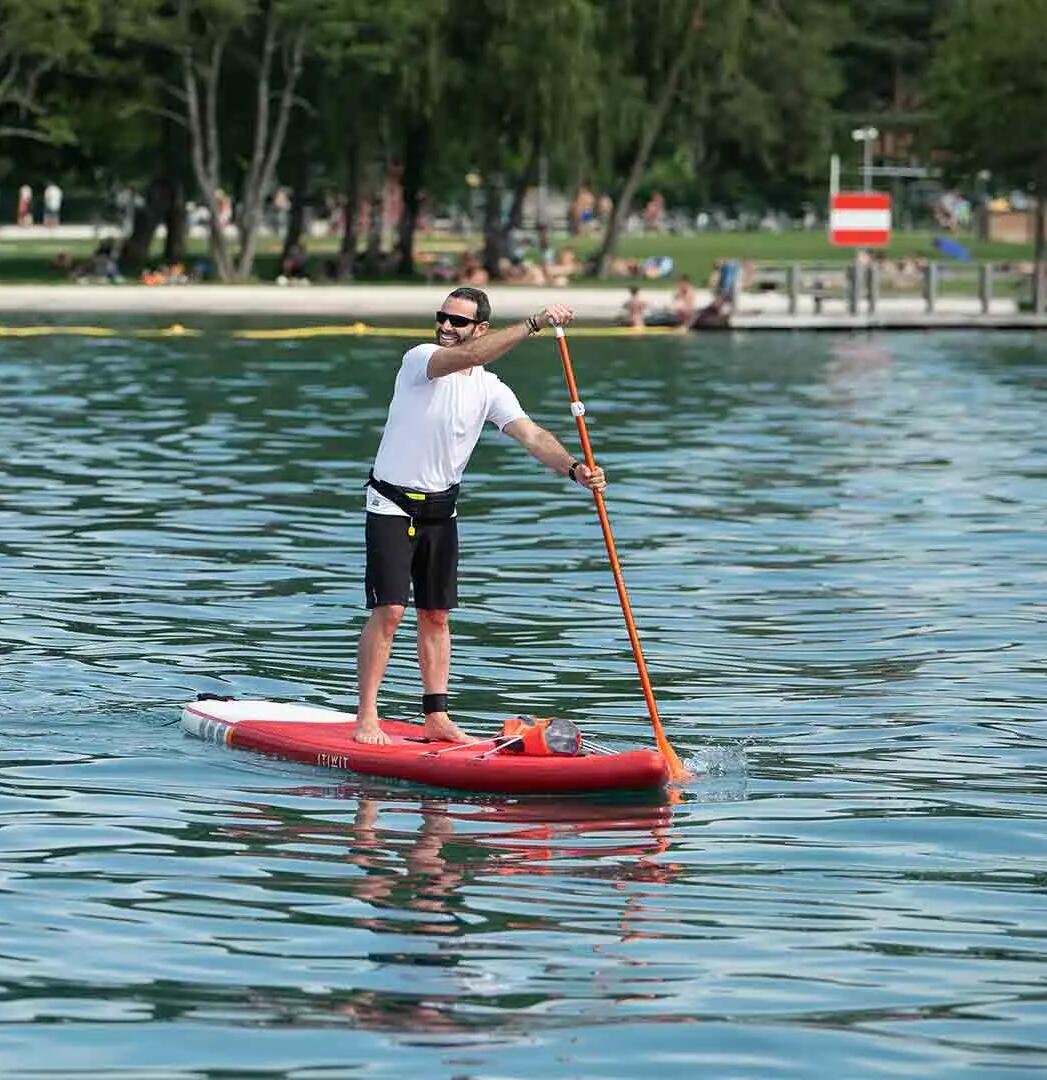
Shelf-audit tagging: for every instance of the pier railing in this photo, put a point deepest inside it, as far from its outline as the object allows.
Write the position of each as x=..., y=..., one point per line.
x=862, y=287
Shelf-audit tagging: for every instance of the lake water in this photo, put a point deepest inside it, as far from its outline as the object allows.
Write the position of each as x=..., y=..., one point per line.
x=835, y=550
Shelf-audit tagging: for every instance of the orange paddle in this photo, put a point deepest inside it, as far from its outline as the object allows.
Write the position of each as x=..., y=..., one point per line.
x=677, y=772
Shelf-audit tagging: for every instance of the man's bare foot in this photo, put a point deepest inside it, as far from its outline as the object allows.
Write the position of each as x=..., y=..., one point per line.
x=440, y=727
x=368, y=731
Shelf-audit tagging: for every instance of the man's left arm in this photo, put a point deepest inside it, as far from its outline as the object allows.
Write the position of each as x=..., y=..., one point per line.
x=544, y=446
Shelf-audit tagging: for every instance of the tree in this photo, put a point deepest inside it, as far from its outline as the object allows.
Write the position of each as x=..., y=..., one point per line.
x=885, y=56
x=521, y=84
x=764, y=131
x=386, y=84
x=37, y=37
x=146, y=150
x=278, y=37
x=665, y=89
x=239, y=63
x=989, y=85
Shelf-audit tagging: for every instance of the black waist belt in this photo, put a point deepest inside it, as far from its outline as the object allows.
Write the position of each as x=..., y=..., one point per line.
x=420, y=506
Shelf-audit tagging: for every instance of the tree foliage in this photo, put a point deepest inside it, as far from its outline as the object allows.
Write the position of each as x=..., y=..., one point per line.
x=989, y=85
x=718, y=103
x=38, y=37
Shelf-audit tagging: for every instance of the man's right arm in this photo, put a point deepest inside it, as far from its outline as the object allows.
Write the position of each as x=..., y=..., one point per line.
x=496, y=343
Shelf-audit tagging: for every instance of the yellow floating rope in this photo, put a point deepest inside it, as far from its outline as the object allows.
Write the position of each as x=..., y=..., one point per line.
x=425, y=332
x=348, y=330
x=45, y=331
x=358, y=329
x=174, y=330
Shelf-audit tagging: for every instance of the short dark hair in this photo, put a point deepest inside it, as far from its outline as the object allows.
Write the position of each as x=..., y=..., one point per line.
x=478, y=297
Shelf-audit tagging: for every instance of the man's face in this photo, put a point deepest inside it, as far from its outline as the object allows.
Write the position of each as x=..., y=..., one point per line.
x=448, y=335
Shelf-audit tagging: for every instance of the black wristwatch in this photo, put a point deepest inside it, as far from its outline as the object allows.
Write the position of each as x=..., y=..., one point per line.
x=572, y=471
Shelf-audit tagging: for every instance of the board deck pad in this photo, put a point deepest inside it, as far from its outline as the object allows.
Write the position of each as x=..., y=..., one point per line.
x=324, y=737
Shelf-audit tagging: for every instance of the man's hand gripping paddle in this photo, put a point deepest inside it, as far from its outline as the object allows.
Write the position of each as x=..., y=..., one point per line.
x=677, y=772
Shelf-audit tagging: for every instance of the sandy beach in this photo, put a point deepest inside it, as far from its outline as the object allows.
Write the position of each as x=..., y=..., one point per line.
x=343, y=303
x=21, y=304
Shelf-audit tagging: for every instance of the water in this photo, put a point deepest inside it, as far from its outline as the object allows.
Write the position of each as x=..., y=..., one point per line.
x=835, y=551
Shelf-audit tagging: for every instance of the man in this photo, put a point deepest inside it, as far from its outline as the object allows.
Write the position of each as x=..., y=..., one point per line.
x=443, y=396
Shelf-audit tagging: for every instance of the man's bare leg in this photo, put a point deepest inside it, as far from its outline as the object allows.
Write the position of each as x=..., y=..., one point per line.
x=372, y=658
x=434, y=660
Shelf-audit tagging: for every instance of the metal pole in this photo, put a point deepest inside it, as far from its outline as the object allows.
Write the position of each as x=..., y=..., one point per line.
x=985, y=286
x=874, y=286
x=834, y=174
x=866, y=135
x=931, y=286
x=793, y=278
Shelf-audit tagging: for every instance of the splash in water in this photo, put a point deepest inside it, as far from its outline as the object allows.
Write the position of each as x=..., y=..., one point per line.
x=718, y=773
x=719, y=761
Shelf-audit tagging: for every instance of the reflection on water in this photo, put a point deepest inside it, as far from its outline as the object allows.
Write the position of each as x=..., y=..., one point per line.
x=834, y=549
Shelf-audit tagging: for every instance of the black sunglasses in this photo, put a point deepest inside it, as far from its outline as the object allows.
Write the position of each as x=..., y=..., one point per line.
x=454, y=320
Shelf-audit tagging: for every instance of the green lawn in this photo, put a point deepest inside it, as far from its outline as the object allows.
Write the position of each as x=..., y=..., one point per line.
x=32, y=261
x=694, y=255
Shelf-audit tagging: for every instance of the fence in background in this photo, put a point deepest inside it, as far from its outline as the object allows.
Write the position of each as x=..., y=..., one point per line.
x=862, y=287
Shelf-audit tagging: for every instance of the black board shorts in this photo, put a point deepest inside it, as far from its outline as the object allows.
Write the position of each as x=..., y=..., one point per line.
x=396, y=561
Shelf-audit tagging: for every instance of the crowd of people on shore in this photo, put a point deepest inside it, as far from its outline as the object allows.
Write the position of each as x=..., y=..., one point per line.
x=549, y=267
x=588, y=212
x=536, y=261
x=683, y=312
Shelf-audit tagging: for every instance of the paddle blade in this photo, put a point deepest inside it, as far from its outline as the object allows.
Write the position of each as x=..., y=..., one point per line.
x=678, y=772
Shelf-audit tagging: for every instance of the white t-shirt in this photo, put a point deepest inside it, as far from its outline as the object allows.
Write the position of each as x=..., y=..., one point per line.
x=434, y=425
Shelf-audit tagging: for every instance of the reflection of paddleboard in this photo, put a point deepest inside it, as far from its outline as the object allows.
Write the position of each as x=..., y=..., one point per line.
x=324, y=737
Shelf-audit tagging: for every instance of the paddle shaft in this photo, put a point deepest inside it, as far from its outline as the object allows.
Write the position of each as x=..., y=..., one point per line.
x=676, y=767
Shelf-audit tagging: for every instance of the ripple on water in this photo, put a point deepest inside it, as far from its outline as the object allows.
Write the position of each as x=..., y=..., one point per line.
x=834, y=549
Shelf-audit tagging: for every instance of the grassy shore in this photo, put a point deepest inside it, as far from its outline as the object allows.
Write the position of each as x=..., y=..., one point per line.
x=32, y=261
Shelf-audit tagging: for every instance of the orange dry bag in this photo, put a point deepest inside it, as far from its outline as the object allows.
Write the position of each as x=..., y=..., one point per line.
x=540, y=736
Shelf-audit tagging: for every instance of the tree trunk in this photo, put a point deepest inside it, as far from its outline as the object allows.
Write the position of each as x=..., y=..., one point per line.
x=165, y=202
x=220, y=255
x=202, y=113
x=174, y=242
x=269, y=138
x=204, y=147
x=375, y=203
x=498, y=234
x=652, y=127
x=350, y=227
x=295, y=223
x=134, y=253
x=416, y=154
x=299, y=201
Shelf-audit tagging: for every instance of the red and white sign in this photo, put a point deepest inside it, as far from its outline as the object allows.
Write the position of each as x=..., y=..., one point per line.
x=860, y=219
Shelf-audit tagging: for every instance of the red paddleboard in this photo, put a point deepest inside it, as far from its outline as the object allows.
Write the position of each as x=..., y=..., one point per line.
x=325, y=737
